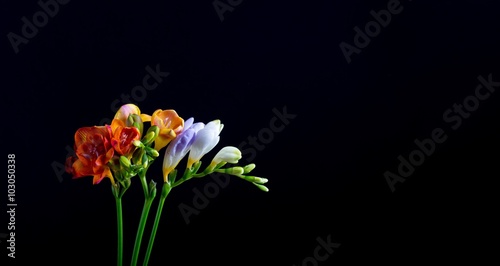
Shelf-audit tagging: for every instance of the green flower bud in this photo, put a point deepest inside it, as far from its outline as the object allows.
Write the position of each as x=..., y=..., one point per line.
x=137, y=156
x=148, y=138
x=152, y=189
x=151, y=135
x=125, y=162
x=137, y=122
x=154, y=129
x=248, y=168
x=130, y=120
x=255, y=179
x=237, y=170
x=137, y=143
x=262, y=187
x=152, y=152
x=134, y=120
x=145, y=160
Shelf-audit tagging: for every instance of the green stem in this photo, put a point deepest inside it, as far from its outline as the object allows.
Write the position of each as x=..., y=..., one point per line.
x=144, y=183
x=149, y=195
x=120, y=230
x=164, y=193
x=140, y=230
x=188, y=174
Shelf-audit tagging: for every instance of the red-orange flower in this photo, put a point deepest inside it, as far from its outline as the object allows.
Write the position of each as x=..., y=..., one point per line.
x=123, y=138
x=122, y=135
x=93, y=150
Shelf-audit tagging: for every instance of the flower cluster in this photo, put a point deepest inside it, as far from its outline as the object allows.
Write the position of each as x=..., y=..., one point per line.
x=132, y=142
x=120, y=151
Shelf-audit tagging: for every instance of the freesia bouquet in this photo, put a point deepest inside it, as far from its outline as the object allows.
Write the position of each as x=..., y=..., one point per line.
x=126, y=149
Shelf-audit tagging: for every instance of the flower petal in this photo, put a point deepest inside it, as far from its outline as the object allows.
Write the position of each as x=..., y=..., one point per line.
x=81, y=170
x=174, y=153
x=123, y=140
x=83, y=134
x=170, y=125
x=164, y=137
x=106, y=173
x=145, y=118
x=227, y=154
x=206, y=139
x=117, y=123
x=125, y=110
x=94, y=150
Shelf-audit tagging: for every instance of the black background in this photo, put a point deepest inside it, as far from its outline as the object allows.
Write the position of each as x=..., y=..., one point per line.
x=326, y=168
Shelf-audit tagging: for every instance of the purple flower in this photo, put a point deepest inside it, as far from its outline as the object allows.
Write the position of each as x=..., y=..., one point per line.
x=179, y=147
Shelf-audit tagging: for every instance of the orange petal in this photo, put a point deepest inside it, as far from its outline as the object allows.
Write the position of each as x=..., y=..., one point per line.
x=83, y=134
x=166, y=118
x=80, y=170
x=123, y=139
x=106, y=173
x=68, y=166
x=117, y=123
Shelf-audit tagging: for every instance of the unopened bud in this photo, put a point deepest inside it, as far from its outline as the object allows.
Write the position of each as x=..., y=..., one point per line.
x=137, y=156
x=145, y=160
x=152, y=152
x=255, y=179
x=154, y=129
x=152, y=189
x=130, y=120
x=148, y=138
x=124, y=162
x=248, y=168
x=137, y=143
x=237, y=170
x=136, y=122
x=262, y=187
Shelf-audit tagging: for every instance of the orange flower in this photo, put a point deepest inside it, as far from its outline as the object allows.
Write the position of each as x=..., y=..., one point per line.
x=123, y=138
x=170, y=125
x=93, y=150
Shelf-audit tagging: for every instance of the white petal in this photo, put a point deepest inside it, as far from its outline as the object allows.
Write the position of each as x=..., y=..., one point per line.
x=228, y=154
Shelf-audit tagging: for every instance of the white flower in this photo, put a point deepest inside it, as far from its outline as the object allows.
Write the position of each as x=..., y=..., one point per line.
x=228, y=154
